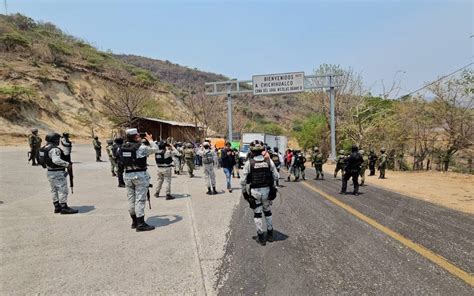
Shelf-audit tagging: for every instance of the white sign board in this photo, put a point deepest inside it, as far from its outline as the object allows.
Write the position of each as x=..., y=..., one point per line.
x=283, y=83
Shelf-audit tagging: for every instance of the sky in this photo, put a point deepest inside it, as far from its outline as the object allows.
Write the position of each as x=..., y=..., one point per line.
x=413, y=42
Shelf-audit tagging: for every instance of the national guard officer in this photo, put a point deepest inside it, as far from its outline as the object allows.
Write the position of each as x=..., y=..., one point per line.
x=52, y=158
x=177, y=158
x=363, y=167
x=372, y=162
x=189, y=156
x=118, y=142
x=35, y=144
x=110, y=153
x=67, y=146
x=258, y=177
x=382, y=163
x=352, y=165
x=318, y=161
x=207, y=155
x=277, y=159
x=164, y=162
x=98, y=148
x=340, y=163
x=134, y=154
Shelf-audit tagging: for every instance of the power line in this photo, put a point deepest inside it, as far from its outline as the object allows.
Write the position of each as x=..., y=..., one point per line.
x=437, y=80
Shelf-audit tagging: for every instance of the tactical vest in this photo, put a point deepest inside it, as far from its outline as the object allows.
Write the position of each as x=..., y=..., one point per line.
x=128, y=154
x=208, y=158
x=161, y=161
x=260, y=174
x=297, y=162
x=188, y=153
x=46, y=161
x=276, y=159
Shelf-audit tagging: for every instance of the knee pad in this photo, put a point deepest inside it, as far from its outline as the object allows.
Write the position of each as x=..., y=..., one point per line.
x=257, y=215
x=268, y=213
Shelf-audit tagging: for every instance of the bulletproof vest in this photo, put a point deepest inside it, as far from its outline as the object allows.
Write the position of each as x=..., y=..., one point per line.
x=297, y=160
x=208, y=158
x=128, y=154
x=260, y=174
x=188, y=153
x=161, y=161
x=276, y=159
x=46, y=161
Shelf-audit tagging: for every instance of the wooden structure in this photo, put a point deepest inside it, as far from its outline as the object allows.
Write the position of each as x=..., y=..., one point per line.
x=163, y=129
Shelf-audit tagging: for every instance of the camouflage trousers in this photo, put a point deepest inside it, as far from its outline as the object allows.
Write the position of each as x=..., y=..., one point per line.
x=137, y=189
x=164, y=175
x=362, y=176
x=209, y=175
x=319, y=170
x=190, y=164
x=58, y=183
x=264, y=206
x=113, y=165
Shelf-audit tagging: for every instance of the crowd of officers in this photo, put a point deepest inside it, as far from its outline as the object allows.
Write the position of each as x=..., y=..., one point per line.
x=352, y=165
x=259, y=177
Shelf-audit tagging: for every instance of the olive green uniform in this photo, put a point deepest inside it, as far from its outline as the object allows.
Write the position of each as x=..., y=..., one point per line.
x=318, y=161
x=339, y=164
x=35, y=144
x=382, y=165
x=189, y=156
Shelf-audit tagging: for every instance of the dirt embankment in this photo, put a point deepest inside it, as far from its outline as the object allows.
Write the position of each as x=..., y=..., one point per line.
x=451, y=190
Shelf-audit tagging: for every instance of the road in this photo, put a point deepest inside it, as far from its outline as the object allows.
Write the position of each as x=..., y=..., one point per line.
x=377, y=243
x=321, y=248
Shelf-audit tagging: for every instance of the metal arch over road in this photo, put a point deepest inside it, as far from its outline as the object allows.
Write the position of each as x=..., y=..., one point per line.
x=309, y=82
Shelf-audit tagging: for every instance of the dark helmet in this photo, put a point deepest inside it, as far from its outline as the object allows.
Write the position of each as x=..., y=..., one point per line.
x=53, y=138
x=354, y=148
x=66, y=135
x=34, y=130
x=382, y=149
x=110, y=141
x=95, y=137
x=118, y=141
x=275, y=149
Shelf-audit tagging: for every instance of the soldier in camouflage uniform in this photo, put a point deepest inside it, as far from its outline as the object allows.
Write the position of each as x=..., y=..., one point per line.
x=110, y=153
x=98, y=148
x=318, y=161
x=340, y=163
x=189, y=156
x=372, y=161
x=35, y=144
x=382, y=163
x=363, y=166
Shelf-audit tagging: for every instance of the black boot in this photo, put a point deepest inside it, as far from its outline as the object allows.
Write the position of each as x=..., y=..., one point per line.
x=134, y=221
x=142, y=226
x=261, y=239
x=209, y=192
x=169, y=196
x=270, y=236
x=65, y=210
x=157, y=194
x=214, y=190
x=57, y=207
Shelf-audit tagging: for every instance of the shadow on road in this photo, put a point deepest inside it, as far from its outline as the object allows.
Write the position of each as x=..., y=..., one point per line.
x=84, y=209
x=163, y=220
x=277, y=236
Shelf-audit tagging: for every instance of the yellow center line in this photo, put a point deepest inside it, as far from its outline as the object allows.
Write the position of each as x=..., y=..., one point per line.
x=428, y=254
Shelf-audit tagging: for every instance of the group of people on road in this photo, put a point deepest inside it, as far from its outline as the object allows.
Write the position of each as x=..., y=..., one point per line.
x=259, y=177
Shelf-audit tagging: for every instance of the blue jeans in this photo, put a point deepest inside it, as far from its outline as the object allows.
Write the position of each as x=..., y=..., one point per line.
x=228, y=174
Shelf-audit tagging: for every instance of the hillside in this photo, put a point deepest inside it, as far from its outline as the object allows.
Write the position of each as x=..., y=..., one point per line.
x=56, y=82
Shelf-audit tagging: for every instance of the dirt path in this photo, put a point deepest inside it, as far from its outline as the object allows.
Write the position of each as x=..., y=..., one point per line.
x=452, y=190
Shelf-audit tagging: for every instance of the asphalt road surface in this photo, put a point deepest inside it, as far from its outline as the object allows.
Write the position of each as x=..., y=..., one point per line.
x=321, y=248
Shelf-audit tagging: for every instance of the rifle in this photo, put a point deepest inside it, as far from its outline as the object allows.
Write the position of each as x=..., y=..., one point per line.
x=148, y=195
x=71, y=177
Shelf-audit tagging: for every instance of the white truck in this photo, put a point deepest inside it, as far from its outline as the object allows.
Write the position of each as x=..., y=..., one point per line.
x=271, y=140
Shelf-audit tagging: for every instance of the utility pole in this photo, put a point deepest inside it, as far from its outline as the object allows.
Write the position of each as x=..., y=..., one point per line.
x=229, y=111
x=6, y=10
x=333, y=117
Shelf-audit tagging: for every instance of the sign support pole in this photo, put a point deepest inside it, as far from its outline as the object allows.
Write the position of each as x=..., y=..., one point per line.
x=332, y=120
x=229, y=111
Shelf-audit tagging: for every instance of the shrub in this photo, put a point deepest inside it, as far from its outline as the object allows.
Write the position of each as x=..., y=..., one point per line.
x=13, y=41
